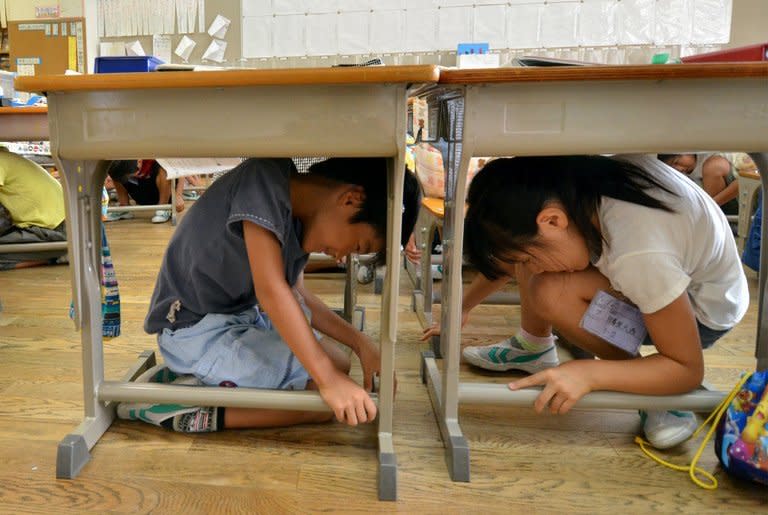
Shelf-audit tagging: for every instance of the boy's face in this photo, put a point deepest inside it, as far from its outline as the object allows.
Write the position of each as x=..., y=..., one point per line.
x=332, y=234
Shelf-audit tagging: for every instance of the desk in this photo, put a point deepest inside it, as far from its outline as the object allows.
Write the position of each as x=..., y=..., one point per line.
x=23, y=123
x=276, y=113
x=582, y=110
x=26, y=124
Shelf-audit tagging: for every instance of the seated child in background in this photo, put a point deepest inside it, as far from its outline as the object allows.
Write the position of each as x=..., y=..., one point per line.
x=31, y=211
x=231, y=309
x=713, y=172
x=568, y=227
x=147, y=183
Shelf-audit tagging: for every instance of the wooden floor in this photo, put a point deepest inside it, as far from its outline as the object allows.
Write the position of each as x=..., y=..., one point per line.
x=582, y=462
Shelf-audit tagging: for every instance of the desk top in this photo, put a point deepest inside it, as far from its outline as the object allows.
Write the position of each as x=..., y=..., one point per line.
x=24, y=110
x=601, y=72
x=229, y=78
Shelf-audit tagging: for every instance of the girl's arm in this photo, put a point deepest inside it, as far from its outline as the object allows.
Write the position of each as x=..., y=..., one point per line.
x=329, y=323
x=349, y=401
x=678, y=367
x=480, y=288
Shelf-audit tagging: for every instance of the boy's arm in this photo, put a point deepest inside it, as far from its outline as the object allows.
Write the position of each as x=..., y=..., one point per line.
x=329, y=323
x=349, y=401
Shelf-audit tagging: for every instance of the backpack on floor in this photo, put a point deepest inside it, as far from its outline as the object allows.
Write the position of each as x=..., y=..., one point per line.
x=741, y=443
x=741, y=435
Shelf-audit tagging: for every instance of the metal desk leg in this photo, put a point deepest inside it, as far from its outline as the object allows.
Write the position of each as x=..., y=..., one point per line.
x=352, y=313
x=83, y=186
x=445, y=393
x=761, y=345
x=173, y=201
x=387, y=460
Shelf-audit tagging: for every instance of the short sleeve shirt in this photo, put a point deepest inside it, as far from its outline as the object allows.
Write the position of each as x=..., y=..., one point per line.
x=205, y=268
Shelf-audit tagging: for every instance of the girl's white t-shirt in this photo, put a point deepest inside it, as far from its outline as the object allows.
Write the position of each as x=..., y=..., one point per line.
x=652, y=256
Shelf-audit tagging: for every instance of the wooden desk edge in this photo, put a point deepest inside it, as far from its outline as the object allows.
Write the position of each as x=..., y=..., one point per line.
x=24, y=110
x=604, y=72
x=230, y=78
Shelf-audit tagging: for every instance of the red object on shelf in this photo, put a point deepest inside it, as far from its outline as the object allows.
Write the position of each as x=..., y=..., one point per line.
x=758, y=52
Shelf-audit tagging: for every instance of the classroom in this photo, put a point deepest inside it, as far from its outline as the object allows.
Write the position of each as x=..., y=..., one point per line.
x=419, y=256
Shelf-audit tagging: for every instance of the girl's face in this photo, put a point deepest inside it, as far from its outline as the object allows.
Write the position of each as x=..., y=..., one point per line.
x=558, y=247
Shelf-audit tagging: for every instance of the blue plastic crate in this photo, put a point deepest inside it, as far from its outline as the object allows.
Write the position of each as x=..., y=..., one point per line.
x=127, y=64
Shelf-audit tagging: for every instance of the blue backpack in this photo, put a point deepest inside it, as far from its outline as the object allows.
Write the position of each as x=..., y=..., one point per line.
x=741, y=443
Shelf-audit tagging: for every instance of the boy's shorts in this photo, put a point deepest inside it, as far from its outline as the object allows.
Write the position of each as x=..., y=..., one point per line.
x=243, y=348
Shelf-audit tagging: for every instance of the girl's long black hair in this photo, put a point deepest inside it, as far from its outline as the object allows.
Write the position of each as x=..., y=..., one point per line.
x=507, y=194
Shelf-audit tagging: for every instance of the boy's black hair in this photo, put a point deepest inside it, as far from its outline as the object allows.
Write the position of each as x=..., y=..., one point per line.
x=507, y=194
x=371, y=174
x=119, y=170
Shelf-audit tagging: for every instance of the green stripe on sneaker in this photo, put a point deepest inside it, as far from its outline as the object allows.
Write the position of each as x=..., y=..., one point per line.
x=500, y=356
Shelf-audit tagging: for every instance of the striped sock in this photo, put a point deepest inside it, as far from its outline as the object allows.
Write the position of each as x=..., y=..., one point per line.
x=203, y=420
x=531, y=343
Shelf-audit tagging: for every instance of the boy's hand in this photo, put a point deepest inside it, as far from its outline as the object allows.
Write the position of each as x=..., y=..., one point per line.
x=563, y=387
x=350, y=403
x=370, y=361
x=434, y=330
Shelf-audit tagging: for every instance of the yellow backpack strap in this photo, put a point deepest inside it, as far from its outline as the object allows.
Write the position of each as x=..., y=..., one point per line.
x=714, y=418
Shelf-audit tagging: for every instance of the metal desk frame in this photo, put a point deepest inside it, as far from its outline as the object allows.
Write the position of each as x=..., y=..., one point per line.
x=583, y=110
x=270, y=113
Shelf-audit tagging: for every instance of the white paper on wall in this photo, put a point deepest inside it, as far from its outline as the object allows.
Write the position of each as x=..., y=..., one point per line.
x=257, y=36
x=289, y=6
x=134, y=48
x=161, y=47
x=387, y=31
x=250, y=8
x=219, y=27
x=346, y=6
x=454, y=26
x=288, y=35
x=523, y=23
x=673, y=21
x=420, y=30
x=322, y=6
x=636, y=21
x=490, y=24
x=421, y=4
x=558, y=24
x=386, y=5
x=111, y=49
x=711, y=22
x=322, y=34
x=200, y=15
x=597, y=23
x=353, y=32
x=184, y=48
x=215, y=51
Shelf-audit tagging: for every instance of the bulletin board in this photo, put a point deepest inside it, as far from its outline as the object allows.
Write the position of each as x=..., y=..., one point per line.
x=47, y=46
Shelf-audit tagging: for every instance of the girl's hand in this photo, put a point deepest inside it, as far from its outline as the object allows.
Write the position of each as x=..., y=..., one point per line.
x=411, y=251
x=434, y=330
x=563, y=387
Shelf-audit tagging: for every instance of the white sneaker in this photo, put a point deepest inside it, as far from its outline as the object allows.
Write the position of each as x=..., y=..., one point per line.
x=665, y=429
x=113, y=216
x=437, y=272
x=504, y=356
x=161, y=216
x=365, y=274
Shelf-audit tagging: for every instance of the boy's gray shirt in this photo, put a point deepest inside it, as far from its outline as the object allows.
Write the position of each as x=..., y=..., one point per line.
x=205, y=268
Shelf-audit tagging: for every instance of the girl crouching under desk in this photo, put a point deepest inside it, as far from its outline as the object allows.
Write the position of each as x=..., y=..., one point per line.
x=604, y=249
